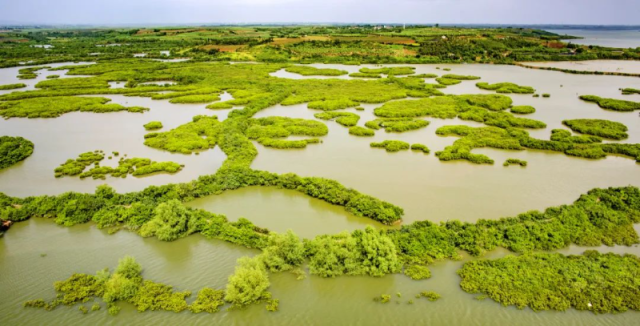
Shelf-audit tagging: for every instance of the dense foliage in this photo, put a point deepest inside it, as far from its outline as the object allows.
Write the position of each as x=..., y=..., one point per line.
x=134, y=166
x=507, y=88
x=14, y=150
x=612, y=104
x=312, y=71
x=392, y=145
x=12, y=86
x=515, y=161
x=598, y=127
x=602, y=283
x=153, y=125
x=522, y=109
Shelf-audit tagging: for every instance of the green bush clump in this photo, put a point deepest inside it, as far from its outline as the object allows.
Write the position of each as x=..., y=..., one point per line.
x=12, y=86
x=460, y=77
x=514, y=161
x=546, y=95
x=346, y=119
x=53, y=76
x=475, y=138
x=562, y=135
x=332, y=105
x=383, y=298
x=430, y=295
x=267, y=131
x=135, y=166
x=362, y=252
x=625, y=91
x=153, y=125
x=507, y=88
x=425, y=76
x=417, y=272
x=208, y=300
x=126, y=284
x=53, y=107
x=480, y=108
x=397, y=124
x=612, y=104
x=29, y=73
x=448, y=81
x=523, y=109
x=170, y=221
x=73, y=84
x=313, y=71
x=248, y=284
x=272, y=305
x=597, y=127
x=200, y=134
x=14, y=150
x=601, y=283
x=392, y=145
x=361, y=131
x=365, y=75
x=391, y=71
x=420, y=147
x=195, y=99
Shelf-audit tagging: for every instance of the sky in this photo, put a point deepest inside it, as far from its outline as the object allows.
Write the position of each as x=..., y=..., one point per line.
x=159, y=12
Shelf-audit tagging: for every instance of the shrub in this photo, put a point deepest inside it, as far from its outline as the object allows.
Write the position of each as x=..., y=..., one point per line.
x=523, y=109
x=612, y=104
x=420, y=147
x=14, y=150
x=507, y=88
x=392, y=145
x=313, y=71
x=361, y=131
x=513, y=161
x=598, y=127
x=417, y=272
x=153, y=125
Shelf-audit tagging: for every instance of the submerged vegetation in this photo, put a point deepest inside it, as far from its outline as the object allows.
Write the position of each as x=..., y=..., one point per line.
x=601, y=283
x=14, y=150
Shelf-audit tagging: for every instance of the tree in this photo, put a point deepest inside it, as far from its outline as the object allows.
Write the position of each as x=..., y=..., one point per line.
x=284, y=252
x=249, y=282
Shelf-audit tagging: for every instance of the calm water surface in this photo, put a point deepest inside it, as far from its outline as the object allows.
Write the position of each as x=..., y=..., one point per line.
x=614, y=39
x=425, y=187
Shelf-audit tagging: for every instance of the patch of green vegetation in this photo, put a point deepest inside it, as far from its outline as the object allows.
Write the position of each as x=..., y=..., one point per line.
x=562, y=135
x=332, y=105
x=417, y=272
x=516, y=139
x=52, y=107
x=601, y=283
x=29, y=73
x=313, y=71
x=153, y=125
x=383, y=298
x=14, y=150
x=53, y=76
x=597, y=127
x=346, y=119
x=420, y=147
x=523, y=109
x=200, y=134
x=361, y=131
x=362, y=252
x=392, y=145
x=546, y=95
x=612, y=104
x=397, y=124
x=479, y=108
x=12, y=86
x=267, y=130
x=460, y=77
x=134, y=166
x=625, y=91
x=514, y=161
x=507, y=88
x=365, y=75
x=248, y=284
x=126, y=284
x=391, y=71
x=448, y=81
x=425, y=76
x=430, y=295
x=195, y=99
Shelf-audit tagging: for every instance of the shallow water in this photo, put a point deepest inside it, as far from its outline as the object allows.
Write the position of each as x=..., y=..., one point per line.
x=425, y=187
x=614, y=39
